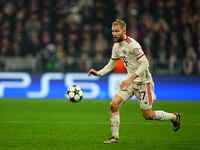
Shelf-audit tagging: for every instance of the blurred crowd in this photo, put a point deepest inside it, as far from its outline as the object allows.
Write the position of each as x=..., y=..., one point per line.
x=75, y=35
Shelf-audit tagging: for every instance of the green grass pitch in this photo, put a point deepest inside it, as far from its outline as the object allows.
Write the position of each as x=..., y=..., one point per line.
x=61, y=125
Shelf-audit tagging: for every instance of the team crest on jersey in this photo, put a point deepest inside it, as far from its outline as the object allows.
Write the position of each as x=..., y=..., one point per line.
x=137, y=51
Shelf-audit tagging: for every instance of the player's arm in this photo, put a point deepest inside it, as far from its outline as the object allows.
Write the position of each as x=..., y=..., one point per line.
x=106, y=69
x=109, y=67
x=141, y=59
x=143, y=65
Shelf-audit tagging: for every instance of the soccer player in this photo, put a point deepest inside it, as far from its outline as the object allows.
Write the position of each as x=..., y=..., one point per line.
x=139, y=81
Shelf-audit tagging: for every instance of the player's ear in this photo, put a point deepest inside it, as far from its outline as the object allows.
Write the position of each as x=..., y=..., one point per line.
x=124, y=31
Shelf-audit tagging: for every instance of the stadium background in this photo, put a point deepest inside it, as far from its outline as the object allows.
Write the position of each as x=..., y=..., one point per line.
x=75, y=35
x=47, y=45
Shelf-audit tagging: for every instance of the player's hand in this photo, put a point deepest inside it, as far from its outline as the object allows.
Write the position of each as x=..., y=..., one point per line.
x=92, y=72
x=125, y=84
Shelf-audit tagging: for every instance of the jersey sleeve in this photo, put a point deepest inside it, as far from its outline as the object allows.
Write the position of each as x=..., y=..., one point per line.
x=115, y=55
x=107, y=68
x=144, y=64
x=136, y=50
x=111, y=64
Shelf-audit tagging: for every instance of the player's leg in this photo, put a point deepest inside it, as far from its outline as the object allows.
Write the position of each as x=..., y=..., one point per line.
x=120, y=98
x=149, y=114
x=175, y=118
x=146, y=96
x=115, y=119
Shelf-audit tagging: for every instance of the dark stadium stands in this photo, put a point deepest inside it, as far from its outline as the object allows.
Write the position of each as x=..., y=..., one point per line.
x=75, y=35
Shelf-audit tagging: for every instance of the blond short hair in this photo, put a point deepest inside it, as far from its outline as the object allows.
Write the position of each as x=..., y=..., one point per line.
x=119, y=22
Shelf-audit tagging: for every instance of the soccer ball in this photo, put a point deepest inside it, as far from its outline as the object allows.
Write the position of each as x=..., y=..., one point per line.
x=74, y=93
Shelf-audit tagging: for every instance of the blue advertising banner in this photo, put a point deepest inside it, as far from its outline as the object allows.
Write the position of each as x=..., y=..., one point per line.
x=55, y=84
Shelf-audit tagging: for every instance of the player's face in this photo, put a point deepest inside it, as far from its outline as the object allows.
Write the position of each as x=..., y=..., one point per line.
x=117, y=33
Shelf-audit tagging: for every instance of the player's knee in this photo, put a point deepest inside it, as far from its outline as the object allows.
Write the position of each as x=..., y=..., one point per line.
x=114, y=107
x=147, y=116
